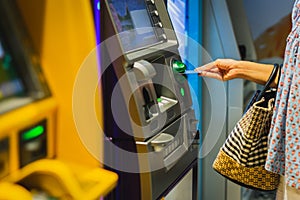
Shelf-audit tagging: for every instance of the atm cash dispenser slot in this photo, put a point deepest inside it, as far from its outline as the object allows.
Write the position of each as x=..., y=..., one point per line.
x=160, y=93
x=144, y=72
x=156, y=82
x=164, y=86
x=154, y=95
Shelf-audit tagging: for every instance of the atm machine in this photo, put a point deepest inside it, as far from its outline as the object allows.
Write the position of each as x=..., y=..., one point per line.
x=150, y=126
x=23, y=92
x=33, y=133
x=27, y=108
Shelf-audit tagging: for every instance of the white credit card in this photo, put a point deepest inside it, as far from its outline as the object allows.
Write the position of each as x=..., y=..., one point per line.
x=190, y=72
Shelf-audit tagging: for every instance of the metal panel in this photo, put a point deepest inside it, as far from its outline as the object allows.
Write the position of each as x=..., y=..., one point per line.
x=220, y=42
x=182, y=189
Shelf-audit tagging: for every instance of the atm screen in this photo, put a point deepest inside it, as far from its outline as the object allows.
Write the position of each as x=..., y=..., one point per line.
x=10, y=82
x=133, y=24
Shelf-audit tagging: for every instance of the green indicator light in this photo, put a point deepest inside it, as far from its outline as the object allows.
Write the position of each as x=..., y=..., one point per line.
x=178, y=66
x=182, y=91
x=33, y=133
x=158, y=99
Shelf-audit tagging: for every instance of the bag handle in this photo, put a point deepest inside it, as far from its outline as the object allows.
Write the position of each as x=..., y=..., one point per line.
x=275, y=71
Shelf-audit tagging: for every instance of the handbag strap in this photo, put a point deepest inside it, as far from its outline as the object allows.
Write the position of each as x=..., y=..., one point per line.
x=275, y=71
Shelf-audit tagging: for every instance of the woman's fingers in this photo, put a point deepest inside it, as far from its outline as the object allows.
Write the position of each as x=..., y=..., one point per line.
x=215, y=75
x=206, y=67
x=219, y=69
x=215, y=70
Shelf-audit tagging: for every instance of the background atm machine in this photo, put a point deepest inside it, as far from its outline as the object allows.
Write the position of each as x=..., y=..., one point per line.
x=39, y=58
x=150, y=126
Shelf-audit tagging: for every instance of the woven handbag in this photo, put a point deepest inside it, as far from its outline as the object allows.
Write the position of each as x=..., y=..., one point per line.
x=242, y=157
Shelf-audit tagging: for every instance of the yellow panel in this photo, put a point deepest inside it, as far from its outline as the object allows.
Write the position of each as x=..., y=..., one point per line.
x=14, y=121
x=63, y=32
x=65, y=180
x=11, y=191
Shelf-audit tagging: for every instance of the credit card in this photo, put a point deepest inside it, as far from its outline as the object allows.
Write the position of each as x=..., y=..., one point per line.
x=190, y=72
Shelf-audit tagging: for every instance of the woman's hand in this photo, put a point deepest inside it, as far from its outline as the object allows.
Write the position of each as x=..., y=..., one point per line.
x=221, y=69
x=227, y=69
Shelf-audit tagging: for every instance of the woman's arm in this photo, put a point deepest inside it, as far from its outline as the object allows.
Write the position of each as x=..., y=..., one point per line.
x=227, y=69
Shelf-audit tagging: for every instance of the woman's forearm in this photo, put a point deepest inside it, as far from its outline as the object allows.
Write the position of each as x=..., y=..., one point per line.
x=256, y=72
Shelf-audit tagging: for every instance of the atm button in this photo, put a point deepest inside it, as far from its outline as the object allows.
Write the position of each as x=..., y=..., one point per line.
x=155, y=12
x=151, y=1
x=159, y=24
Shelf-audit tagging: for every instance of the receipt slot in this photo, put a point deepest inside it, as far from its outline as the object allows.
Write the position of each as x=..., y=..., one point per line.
x=150, y=124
